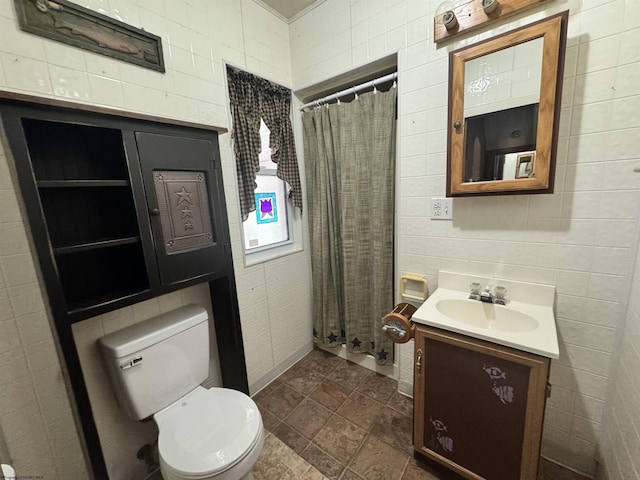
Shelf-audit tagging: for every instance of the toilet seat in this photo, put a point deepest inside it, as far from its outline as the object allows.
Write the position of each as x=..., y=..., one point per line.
x=207, y=432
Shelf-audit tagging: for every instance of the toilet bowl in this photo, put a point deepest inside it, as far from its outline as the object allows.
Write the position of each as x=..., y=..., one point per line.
x=156, y=368
x=215, y=433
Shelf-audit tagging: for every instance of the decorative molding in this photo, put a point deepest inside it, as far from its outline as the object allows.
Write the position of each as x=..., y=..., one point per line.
x=471, y=16
x=72, y=24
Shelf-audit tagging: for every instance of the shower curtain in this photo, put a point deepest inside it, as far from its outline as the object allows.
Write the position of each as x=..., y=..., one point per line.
x=349, y=151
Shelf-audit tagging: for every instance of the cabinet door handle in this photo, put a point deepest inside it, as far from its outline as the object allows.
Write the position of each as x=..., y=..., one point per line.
x=155, y=212
x=419, y=361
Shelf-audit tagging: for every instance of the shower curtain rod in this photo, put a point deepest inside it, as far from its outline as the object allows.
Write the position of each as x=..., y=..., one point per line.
x=351, y=90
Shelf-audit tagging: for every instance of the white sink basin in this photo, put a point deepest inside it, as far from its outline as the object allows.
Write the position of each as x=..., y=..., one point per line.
x=526, y=322
x=486, y=315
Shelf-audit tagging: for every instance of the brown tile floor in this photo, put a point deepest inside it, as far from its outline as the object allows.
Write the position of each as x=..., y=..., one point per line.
x=327, y=418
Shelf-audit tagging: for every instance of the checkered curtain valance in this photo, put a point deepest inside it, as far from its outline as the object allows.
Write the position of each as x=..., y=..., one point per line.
x=253, y=98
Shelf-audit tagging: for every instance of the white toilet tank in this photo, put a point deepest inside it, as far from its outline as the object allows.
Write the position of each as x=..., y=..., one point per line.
x=155, y=362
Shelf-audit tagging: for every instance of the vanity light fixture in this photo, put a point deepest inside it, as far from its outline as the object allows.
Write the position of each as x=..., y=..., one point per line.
x=489, y=6
x=446, y=15
x=454, y=17
x=449, y=20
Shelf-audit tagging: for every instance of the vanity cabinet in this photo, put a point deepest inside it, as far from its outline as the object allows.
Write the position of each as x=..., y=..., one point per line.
x=478, y=407
x=121, y=209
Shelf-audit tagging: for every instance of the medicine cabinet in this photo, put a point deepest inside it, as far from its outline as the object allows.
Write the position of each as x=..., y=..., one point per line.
x=504, y=109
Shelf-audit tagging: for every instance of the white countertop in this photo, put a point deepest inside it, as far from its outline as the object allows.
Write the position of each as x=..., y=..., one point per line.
x=531, y=299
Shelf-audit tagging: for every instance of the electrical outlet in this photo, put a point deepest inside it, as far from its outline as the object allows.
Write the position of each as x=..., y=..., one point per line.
x=441, y=208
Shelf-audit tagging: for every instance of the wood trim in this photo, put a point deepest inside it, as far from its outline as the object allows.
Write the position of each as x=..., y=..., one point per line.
x=553, y=31
x=52, y=102
x=226, y=315
x=536, y=398
x=471, y=16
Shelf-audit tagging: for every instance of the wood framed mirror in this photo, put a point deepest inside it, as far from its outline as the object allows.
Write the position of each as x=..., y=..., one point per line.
x=504, y=109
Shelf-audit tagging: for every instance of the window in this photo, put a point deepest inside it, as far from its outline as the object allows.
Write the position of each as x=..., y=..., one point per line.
x=271, y=208
x=268, y=225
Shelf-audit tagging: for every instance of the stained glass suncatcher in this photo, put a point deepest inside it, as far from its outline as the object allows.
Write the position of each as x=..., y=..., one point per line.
x=266, y=208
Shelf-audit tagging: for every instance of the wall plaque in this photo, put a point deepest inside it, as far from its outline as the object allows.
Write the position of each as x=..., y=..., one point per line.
x=72, y=24
x=183, y=204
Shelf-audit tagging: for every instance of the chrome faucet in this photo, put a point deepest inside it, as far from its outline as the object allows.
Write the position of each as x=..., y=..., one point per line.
x=497, y=297
x=486, y=295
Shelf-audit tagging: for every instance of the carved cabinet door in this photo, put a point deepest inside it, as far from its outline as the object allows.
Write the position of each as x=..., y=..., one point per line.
x=183, y=188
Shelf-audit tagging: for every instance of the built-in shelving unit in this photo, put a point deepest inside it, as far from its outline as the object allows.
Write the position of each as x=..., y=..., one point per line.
x=88, y=206
x=105, y=198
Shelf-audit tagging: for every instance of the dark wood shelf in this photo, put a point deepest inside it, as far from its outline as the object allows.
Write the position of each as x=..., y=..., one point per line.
x=82, y=247
x=81, y=183
x=93, y=302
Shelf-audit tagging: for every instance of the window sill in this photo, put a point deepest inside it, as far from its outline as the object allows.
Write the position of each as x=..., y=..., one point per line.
x=269, y=254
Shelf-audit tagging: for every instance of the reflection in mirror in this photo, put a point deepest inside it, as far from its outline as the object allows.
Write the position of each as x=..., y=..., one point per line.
x=525, y=164
x=503, y=111
x=492, y=136
x=501, y=100
x=504, y=79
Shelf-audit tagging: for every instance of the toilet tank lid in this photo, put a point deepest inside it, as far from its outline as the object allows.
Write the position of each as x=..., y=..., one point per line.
x=149, y=332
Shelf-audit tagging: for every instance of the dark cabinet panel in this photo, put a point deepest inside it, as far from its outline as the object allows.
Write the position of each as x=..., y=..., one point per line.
x=121, y=210
x=70, y=151
x=77, y=215
x=92, y=277
x=472, y=397
x=184, y=197
x=478, y=407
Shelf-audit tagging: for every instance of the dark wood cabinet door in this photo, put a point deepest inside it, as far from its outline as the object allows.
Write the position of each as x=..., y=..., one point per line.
x=479, y=406
x=183, y=188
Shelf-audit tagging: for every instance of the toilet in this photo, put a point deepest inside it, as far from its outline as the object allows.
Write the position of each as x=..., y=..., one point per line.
x=156, y=368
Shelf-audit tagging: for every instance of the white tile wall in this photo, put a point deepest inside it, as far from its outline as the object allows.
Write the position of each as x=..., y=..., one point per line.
x=198, y=37
x=619, y=446
x=580, y=239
